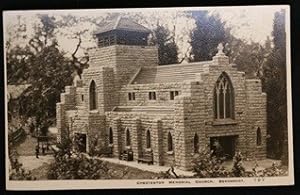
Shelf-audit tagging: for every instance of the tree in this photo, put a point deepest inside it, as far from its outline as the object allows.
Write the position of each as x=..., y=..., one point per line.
x=250, y=58
x=71, y=164
x=45, y=67
x=167, y=48
x=274, y=84
x=209, y=32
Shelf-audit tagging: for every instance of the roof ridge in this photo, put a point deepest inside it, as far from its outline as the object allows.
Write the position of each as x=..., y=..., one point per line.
x=188, y=64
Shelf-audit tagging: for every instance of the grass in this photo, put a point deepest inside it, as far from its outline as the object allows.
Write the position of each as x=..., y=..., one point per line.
x=123, y=172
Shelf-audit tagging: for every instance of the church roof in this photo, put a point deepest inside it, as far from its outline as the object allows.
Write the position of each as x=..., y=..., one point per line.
x=170, y=73
x=121, y=23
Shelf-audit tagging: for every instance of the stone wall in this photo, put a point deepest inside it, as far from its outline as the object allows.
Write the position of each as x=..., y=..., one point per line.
x=141, y=91
x=256, y=118
x=159, y=126
x=190, y=113
x=105, y=88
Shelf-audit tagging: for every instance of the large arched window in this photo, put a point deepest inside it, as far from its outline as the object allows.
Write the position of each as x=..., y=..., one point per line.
x=110, y=136
x=93, y=96
x=128, y=141
x=258, y=137
x=196, y=143
x=148, y=139
x=223, y=98
x=170, y=142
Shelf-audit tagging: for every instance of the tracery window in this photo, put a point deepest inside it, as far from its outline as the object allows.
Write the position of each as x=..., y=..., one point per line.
x=223, y=98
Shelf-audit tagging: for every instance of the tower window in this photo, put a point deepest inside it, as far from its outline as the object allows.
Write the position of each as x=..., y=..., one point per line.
x=152, y=95
x=93, y=96
x=223, y=98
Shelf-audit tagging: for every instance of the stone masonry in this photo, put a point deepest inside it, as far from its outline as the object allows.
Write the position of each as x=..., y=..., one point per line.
x=177, y=105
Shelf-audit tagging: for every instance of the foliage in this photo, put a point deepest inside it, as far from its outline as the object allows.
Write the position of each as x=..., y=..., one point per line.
x=206, y=165
x=44, y=66
x=77, y=166
x=70, y=164
x=209, y=32
x=167, y=48
x=238, y=169
x=16, y=170
x=274, y=83
x=250, y=57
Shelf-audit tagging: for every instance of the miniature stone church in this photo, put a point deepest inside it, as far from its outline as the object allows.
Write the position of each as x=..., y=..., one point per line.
x=164, y=114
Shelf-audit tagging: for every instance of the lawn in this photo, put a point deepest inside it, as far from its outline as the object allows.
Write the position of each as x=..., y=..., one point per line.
x=117, y=171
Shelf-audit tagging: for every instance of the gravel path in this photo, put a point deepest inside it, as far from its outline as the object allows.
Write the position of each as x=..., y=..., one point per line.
x=31, y=162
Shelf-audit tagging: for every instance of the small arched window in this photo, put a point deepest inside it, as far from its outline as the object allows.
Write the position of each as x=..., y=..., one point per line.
x=170, y=142
x=148, y=139
x=258, y=137
x=93, y=96
x=223, y=98
x=196, y=143
x=128, y=137
x=110, y=136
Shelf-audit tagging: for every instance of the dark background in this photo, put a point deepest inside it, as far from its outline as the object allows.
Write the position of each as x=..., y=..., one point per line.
x=93, y=4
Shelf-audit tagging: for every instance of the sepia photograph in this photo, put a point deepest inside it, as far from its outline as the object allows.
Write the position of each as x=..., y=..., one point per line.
x=148, y=98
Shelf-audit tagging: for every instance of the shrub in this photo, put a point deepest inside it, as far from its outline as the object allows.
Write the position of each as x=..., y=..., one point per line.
x=238, y=169
x=70, y=164
x=272, y=171
x=77, y=166
x=206, y=165
x=16, y=170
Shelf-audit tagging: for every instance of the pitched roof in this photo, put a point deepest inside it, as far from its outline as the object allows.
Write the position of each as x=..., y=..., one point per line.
x=121, y=23
x=14, y=91
x=170, y=73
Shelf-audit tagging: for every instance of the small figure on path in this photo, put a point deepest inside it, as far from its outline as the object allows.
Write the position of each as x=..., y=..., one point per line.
x=37, y=151
x=43, y=149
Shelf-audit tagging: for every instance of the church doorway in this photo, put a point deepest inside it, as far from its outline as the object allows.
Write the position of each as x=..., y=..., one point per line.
x=80, y=142
x=223, y=146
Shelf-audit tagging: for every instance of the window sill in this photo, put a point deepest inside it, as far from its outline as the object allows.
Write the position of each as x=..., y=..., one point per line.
x=94, y=111
x=148, y=150
x=170, y=152
x=217, y=122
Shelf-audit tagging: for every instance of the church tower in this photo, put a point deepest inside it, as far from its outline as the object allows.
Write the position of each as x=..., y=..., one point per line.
x=122, y=50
